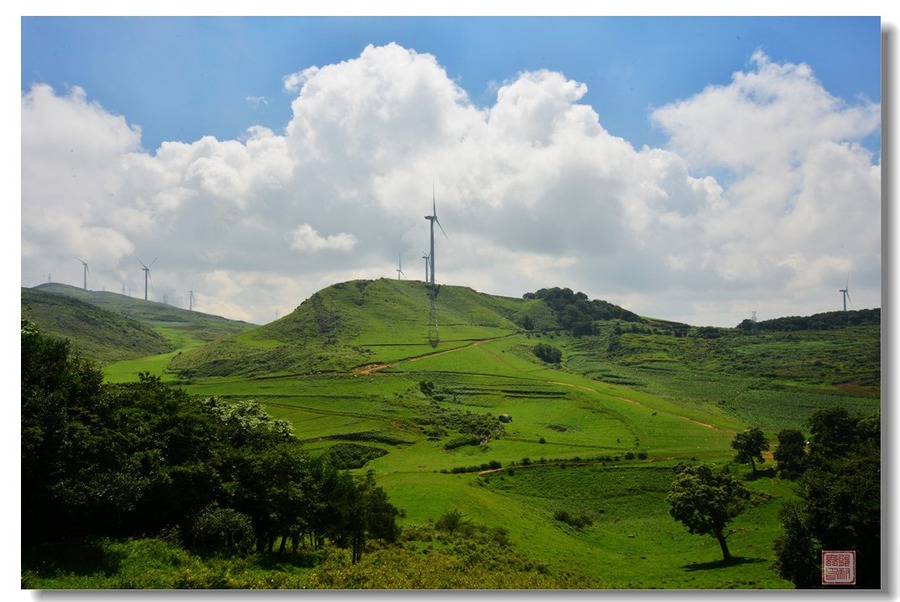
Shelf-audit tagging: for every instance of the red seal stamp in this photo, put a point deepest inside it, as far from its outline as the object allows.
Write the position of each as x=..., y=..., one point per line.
x=839, y=568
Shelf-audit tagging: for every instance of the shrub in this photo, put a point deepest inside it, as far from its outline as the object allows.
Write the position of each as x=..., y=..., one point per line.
x=548, y=353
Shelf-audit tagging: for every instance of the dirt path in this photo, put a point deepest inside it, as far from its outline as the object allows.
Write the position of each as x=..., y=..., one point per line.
x=369, y=369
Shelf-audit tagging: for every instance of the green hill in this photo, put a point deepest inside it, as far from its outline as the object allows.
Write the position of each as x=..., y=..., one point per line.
x=356, y=323
x=94, y=333
x=109, y=327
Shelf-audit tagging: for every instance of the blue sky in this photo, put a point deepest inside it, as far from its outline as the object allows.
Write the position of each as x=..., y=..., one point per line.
x=690, y=168
x=181, y=78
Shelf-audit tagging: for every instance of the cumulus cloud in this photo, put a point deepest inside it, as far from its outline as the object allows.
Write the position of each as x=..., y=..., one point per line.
x=763, y=199
x=305, y=238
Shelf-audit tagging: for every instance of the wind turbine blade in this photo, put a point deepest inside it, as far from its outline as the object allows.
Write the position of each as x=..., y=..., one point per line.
x=848, y=299
x=142, y=264
x=441, y=227
x=154, y=261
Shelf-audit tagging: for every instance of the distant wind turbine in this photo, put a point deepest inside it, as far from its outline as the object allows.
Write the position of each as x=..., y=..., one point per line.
x=191, y=299
x=146, y=269
x=400, y=266
x=425, y=257
x=86, y=271
x=846, y=293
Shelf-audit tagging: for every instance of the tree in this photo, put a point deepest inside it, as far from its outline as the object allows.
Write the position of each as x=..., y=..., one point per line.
x=363, y=512
x=705, y=502
x=548, y=353
x=790, y=453
x=840, y=501
x=749, y=446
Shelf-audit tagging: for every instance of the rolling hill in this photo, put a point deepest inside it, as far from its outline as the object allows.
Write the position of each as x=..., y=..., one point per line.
x=94, y=333
x=355, y=323
x=108, y=327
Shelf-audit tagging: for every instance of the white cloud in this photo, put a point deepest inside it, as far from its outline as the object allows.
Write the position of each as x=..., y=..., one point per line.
x=305, y=238
x=254, y=102
x=532, y=191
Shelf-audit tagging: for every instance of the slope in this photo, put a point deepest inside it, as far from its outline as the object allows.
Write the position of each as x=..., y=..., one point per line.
x=94, y=333
x=355, y=323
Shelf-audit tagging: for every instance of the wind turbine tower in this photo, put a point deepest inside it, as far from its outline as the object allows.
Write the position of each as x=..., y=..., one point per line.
x=433, y=336
x=86, y=270
x=846, y=292
x=400, y=266
x=426, y=258
x=191, y=300
x=146, y=275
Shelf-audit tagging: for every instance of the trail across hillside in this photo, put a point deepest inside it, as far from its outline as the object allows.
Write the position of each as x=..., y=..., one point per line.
x=369, y=369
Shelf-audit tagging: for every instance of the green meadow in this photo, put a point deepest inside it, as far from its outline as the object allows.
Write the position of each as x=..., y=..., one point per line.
x=597, y=435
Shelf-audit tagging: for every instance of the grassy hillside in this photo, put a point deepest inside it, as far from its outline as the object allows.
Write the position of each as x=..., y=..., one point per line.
x=355, y=323
x=111, y=327
x=596, y=434
x=94, y=333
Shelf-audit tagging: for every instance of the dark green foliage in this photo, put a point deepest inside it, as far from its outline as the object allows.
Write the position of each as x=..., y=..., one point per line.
x=576, y=313
x=222, y=530
x=352, y=455
x=462, y=441
x=705, y=502
x=840, y=501
x=579, y=521
x=427, y=387
x=453, y=521
x=125, y=460
x=548, y=353
x=790, y=453
x=362, y=512
x=749, y=446
x=443, y=420
x=823, y=321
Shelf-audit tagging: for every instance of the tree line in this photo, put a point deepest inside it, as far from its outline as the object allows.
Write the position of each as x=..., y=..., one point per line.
x=139, y=459
x=576, y=313
x=823, y=321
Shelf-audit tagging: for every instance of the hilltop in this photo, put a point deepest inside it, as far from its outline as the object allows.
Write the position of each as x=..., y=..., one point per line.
x=355, y=323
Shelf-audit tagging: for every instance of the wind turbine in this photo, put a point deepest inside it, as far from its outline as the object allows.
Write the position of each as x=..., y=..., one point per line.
x=86, y=271
x=433, y=218
x=146, y=274
x=400, y=266
x=191, y=300
x=426, y=258
x=846, y=292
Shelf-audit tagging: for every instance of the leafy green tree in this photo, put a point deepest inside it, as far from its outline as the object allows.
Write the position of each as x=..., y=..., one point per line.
x=78, y=476
x=705, y=502
x=790, y=453
x=218, y=530
x=363, y=512
x=452, y=521
x=840, y=501
x=548, y=353
x=833, y=432
x=749, y=446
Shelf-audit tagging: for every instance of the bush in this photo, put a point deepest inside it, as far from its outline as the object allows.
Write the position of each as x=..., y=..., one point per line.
x=452, y=521
x=579, y=522
x=462, y=441
x=222, y=530
x=548, y=353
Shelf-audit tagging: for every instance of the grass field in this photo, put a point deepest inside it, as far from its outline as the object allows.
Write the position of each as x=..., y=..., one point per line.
x=597, y=435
